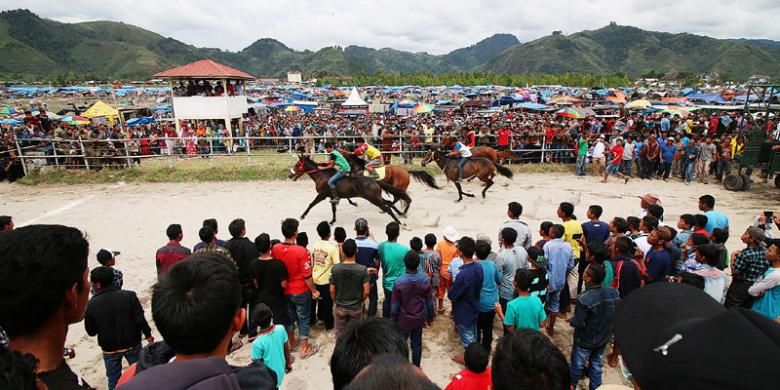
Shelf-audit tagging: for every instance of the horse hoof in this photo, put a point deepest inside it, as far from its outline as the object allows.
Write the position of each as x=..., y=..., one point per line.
x=303, y=217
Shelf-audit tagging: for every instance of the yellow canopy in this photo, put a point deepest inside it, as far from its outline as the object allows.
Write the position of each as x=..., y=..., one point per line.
x=100, y=109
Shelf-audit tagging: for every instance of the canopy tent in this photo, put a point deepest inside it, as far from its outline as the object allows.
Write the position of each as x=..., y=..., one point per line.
x=204, y=69
x=354, y=99
x=101, y=109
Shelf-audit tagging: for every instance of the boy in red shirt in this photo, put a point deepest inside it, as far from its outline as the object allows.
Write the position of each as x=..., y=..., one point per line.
x=476, y=376
x=613, y=167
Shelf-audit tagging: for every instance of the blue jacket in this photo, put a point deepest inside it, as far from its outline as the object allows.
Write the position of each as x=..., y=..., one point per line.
x=464, y=294
x=412, y=301
x=593, y=316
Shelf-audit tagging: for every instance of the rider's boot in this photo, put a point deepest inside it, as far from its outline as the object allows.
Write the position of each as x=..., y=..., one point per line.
x=334, y=196
x=373, y=173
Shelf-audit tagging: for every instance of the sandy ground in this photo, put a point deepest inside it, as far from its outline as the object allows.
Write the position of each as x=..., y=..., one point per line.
x=132, y=219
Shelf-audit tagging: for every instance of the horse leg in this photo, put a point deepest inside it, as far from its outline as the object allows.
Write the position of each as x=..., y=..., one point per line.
x=333, y=209
x=384, y=206
x=470, y=195
x=488, y=183
x=320, y=197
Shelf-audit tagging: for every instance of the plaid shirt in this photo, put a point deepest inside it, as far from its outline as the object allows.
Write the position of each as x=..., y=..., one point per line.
x=751, y=264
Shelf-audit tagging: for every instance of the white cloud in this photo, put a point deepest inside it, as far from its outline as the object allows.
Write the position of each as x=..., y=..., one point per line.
x=434, y=26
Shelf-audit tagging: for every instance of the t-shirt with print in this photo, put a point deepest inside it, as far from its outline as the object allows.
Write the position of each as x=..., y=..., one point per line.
x=525, y=312
x=324, y=255
x=296, y=261
x=270, y=348
x=349, y=279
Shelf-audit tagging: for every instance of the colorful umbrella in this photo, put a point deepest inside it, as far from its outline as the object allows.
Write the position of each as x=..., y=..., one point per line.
x=292, y=109
x=423, y=108
x=8, y=111
x=676, y=111
x=10, y=121
x=641, y=103
x=75, y=120
x=568, y=113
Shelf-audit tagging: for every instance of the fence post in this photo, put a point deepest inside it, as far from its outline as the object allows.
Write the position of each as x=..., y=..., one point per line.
x=127, y=153
x=54, y=151
x=543, y=148
x=21, y=157
x=83, y=153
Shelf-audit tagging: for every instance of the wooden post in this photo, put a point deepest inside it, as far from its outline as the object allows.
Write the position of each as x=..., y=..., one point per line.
x=83, y=153
x=173, y=109
x=21, y=157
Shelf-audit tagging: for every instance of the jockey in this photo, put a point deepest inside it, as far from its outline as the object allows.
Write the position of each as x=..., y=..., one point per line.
x=373, y=155
x=464, y=152
x=337, y=161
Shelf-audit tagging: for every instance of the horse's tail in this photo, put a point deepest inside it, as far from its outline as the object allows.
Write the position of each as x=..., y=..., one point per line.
x=394, y=191
x=503, y=171
x=426, y=178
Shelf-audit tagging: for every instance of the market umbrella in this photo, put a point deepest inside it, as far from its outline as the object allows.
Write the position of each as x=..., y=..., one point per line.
x=676, y=111
x=8, y=111
x=10, y=121
x=641, y=103
x=292, y=109
x=423, y=108
x=144, y=120
x=75, y=120
x=568, y=113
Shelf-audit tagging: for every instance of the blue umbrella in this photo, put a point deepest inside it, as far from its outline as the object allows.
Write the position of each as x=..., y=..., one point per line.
x=10, y=121
x=144, y=120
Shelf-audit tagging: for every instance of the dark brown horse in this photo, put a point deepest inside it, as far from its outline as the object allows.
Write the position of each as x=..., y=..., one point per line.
x=398, y=177
x=349, y=187
x=479, y=167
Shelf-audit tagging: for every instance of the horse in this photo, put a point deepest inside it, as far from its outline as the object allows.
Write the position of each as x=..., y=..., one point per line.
x=478, y=167
x=395, y=176
x=476, y=151
x=349, y=187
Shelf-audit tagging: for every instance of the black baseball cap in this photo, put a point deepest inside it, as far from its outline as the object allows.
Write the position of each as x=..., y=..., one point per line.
x=675, y=336
x=105, y=255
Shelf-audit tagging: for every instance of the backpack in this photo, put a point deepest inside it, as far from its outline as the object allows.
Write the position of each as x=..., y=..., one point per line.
x=616, y=280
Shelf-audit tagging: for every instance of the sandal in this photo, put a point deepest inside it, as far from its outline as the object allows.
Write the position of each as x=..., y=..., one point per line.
x=313, y=349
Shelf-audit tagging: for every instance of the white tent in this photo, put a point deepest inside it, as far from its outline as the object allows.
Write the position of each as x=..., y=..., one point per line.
x=354, y=100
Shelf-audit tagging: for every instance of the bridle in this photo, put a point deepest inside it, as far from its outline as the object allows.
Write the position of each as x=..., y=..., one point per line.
x=298, y=171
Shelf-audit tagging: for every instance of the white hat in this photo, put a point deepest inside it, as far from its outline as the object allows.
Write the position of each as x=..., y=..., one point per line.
x=450, y=233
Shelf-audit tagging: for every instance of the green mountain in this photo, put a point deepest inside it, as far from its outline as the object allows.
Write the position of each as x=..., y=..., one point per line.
x=634, y=51
x=35, y=48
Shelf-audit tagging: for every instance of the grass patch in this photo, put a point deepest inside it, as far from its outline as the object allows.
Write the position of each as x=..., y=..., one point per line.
x=220, y=168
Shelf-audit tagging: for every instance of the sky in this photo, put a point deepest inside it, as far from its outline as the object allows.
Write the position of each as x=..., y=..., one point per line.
x=433, y=26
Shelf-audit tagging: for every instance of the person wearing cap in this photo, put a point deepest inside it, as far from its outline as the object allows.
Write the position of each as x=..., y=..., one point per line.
x=668, y=150
x=674, y=336
x=767, y=289
x=107, y=258
x=117, y=318
x=747, y=266
x=447, y=252
x=368, y=256
x=593, y=314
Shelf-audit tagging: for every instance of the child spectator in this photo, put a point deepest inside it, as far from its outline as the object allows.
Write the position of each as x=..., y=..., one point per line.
x=685, y=224
x=488, y=296
x=538, y=262
x=107, y=258
x=699, y=224
x=349, y=288
x=719, y=237
x=528, y=359
x=544, y=232
x=617, y=228
x=339, y=235
x=270, y=346
x=599, y=254
x=447, y=251
x=412, y=304
x=633, y=227
x=715, y=280
x=560, y=262
x=525, y=311
x=432, y=261
x=767, y=289
x=592, y=315
x=476, y=376
x=464, y=294
x=689, y=252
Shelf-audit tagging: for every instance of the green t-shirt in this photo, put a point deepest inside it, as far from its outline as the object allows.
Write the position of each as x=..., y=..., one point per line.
x=341, y=163
x=609, y=274
x=582, y=147
x=525, y=313
x=391, y=256
x=270, y=348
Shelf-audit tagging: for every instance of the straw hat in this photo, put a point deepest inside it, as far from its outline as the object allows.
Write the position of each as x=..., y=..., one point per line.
x=450, y=233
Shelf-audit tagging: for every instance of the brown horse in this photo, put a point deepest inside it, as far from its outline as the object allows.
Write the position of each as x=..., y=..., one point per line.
x=349, y=187
x=398, y=177
x=476, y=151
x=479, y=167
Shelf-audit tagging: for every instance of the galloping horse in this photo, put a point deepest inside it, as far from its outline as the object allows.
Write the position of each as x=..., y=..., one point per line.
x=479, y=167
x=476, y=151
x=349, y=187
x=398, y=177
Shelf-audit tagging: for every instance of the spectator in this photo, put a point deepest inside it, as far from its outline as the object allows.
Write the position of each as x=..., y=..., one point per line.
x=209, y=244
x=44, y=289
x=324, y=255
x=391, y=256
x=117, y=318
x=270, y=346
x=196, y=306
x=6, y=223
x=270, y=281
x=529, y=360
x=173, y=252
x=594, y=231
x=767, y=289
x=447, y=251
x=464, y=295
x=389, y=370
x=599, y=254
x=360, y=342
x=591, y=322
x=700, y=225
x=657, y=261
x=368, y=256
x=747, y=266
x=430, y=262
x=243, y=253
x=560, y=261
x=476, y=376
x=510, y=259
x=525, y=311
x=107, y=258
x=715, y=280
x=412, y=304
x=488, y=296
x=349, y=287
x=628, y=275
x=300, y=290
x=685, y=224
x=212, y=223
x=18, y=370
x=544, y=231
x=538, y=264
x=514, y=211
x=715, y=219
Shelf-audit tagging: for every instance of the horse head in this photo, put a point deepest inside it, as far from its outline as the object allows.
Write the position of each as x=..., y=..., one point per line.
x=432, y=155
x=303, y=166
